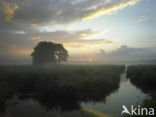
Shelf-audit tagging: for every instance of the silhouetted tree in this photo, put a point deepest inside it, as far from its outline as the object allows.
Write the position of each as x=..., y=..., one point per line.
x=48, y=52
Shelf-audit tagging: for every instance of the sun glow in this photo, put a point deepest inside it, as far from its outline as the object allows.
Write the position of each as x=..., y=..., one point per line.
x=91, y=60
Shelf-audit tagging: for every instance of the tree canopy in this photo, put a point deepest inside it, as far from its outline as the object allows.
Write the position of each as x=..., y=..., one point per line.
x=49, y=52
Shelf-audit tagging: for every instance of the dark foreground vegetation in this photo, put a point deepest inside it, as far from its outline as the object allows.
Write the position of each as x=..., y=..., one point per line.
x=144, y=77
x=61, y=86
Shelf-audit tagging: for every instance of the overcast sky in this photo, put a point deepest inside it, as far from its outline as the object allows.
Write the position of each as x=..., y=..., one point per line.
x=91, y=30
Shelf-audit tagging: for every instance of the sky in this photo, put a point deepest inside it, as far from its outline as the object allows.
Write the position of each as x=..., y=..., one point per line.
x=91, y=30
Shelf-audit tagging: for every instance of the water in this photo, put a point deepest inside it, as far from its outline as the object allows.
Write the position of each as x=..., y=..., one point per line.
x=127, y=95
x=32, y=106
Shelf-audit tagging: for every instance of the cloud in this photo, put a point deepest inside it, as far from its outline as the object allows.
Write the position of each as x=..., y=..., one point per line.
x=88, y=43
x=143, y=18
x=109, y=7
x=92, y=34
x=62, y=36
x=38, y=12
x=14, y=54
x=127, y=53
x=19, y=50
x=7, y=10
x=36, y=38
x=34, y=25
x=18, y=43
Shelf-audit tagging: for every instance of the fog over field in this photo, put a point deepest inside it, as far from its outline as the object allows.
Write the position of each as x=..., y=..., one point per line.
x=77, y=58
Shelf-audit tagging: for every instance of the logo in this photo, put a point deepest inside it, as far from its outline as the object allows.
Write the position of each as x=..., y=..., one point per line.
x=137, y=110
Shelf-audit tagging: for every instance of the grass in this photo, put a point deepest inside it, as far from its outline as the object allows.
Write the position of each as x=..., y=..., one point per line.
x=76, y=82
x=143, y=76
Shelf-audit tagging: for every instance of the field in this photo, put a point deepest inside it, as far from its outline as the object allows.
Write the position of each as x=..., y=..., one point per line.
x=52, y=86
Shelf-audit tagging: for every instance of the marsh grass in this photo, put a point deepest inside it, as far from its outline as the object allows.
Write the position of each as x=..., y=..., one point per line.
x=144, y=77
x=55, y=83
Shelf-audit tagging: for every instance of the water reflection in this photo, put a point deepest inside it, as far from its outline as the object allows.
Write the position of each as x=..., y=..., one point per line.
x=54, y=103
x=66, y=106
x=25, y=104
x=31, y=108
x=127, y=94
x=105, y=103
x=56, y=91
x=47, y=105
